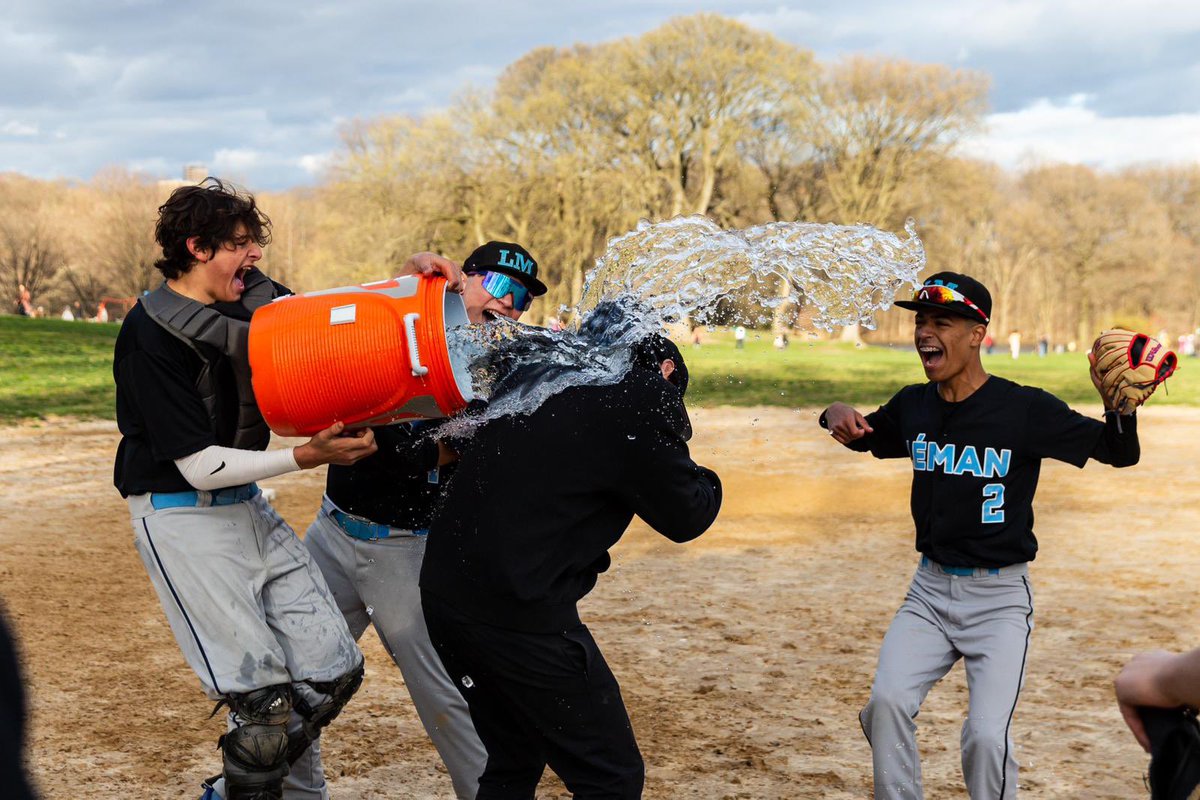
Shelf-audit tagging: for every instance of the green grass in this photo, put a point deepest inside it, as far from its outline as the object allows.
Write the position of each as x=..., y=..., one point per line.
x=815, y=374
x=53, y=368
x=49, y=367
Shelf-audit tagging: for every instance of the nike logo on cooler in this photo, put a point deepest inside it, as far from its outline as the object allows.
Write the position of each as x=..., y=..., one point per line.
x=218, y=469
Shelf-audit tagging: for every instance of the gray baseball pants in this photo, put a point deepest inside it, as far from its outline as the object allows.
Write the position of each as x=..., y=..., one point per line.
x=247, y=605
x=376, y=582
x=983, y=618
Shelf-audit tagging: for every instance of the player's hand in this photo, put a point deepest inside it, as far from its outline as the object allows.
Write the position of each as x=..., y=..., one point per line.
x=1138, y=684
x=335, y=445
x=446, y=454
x=433, y=264
x=846, y=424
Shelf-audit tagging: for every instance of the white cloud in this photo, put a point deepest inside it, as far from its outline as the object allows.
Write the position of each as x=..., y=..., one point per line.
x=314, y=163
x=17, y=128
x=1072, y=132
x=237, y=160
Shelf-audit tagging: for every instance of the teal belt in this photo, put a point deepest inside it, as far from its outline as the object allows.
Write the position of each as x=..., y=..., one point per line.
x=364, y=529
x=229, y=496
x=966, y=571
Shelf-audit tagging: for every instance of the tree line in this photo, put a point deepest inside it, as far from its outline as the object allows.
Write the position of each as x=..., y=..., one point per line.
x=703, y=115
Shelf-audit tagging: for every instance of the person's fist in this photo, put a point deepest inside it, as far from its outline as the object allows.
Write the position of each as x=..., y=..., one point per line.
x=433, y=264
x=335, y=445
x=846, y=424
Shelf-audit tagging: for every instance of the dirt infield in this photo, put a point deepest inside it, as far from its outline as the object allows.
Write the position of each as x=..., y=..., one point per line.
x=744, y=657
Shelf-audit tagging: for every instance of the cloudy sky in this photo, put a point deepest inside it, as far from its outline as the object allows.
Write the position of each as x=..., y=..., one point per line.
x=257, y=91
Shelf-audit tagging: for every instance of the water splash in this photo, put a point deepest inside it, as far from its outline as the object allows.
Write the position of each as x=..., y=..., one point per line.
x=684, y=268
x=687, y=269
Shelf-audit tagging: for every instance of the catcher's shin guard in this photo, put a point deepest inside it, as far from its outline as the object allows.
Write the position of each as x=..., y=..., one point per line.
x=318, y=703
x=255, y=752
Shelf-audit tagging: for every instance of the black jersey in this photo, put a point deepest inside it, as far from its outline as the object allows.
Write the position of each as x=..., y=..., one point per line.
x=398, y=485
x=976, y=463
x=160, y=412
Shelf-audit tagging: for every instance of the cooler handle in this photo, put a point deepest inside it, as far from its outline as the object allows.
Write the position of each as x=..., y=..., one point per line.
x=414, y=355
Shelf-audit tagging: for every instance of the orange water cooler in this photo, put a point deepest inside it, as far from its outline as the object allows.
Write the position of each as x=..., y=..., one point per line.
x=364, y=355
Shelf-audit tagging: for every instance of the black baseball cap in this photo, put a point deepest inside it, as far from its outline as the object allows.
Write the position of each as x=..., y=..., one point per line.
x=953, y=293
x=509, y=259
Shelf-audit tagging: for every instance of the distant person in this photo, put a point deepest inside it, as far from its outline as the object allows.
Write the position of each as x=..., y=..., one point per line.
x=739, y=337
x=989, y=342
x=14, y=783
x=102, y=312
x=24, y=302
x=781, y=341
x=515, y=547
x=975, y=443
x=67, y=314
x=697, y=339
x=1043, y=346
x=1014, y=344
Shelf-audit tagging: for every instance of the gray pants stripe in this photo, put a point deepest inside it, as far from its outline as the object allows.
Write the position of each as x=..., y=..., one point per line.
x=1017, y=693
x=167, y=580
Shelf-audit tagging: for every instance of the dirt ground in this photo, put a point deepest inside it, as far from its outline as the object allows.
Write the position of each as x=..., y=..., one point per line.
x=744, y=656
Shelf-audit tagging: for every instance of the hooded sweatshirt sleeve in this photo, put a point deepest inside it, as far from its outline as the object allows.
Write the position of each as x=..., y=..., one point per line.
x=663, y=485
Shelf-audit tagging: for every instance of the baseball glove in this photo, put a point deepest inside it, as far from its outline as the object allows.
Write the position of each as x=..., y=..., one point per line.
x=1174, y=753
x=1127, y=367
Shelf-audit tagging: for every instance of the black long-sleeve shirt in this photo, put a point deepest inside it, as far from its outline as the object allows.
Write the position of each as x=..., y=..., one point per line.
x=976, y=463
x=398, y=485
x=526, y=523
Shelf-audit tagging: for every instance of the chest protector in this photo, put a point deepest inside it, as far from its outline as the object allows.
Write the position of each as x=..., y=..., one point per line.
x=214, y=336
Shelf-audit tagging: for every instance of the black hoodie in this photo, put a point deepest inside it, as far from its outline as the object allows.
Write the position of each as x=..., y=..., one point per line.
x=526, y=523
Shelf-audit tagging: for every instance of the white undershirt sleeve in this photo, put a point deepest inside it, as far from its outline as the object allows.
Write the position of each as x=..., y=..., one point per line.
x=217, y=467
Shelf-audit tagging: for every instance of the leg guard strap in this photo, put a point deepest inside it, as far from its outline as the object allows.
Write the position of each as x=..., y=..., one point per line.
x=318, y=703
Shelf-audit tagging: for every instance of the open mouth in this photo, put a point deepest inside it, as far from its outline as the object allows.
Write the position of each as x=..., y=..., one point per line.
x=489, y=316
x=932, y=356
x=238, y=279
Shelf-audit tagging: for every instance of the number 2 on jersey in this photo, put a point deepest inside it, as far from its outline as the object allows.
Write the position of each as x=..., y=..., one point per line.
x=993, y=503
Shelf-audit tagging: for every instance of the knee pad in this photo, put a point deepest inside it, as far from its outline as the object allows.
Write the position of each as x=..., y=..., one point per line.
x=255, y=751
x=318, y=703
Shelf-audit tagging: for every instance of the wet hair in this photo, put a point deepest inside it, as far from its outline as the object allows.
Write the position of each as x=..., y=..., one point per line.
x=211, y=211
x=653, y=350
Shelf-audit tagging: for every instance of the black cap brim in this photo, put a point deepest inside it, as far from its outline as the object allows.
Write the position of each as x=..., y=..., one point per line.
x=537, y=287
x=958, y=310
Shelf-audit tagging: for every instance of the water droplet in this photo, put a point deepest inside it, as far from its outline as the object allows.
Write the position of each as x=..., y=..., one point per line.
x=467, y=682
x=630, y=437
x=370, y=610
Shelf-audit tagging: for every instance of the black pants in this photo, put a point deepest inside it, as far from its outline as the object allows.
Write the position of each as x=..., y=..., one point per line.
x=538, y=699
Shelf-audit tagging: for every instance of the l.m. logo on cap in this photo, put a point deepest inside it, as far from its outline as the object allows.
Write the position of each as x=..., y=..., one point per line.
x=516, y=261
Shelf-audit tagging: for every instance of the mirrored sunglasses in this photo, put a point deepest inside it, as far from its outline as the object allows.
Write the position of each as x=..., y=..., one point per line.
x=499, y=286
x=944, y=295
